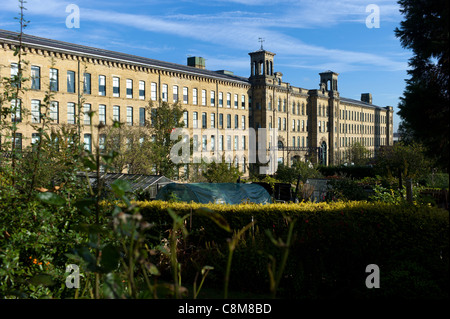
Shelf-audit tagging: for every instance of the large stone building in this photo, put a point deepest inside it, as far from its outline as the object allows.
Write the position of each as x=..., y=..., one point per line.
x=220, y=107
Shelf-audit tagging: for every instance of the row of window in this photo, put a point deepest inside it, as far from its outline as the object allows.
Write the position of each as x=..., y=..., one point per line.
x=282, y=107
x=225, y=143
x=208, y=143
x=361, y=116
x=303, y=139
x=297, y=125
x=87, y=89
x=230, y=99
x=54, y=76
x=54, y=114
x=365, y=141
x=361, y=129
x=232, y=143
x=212, y=120
x=344, y=155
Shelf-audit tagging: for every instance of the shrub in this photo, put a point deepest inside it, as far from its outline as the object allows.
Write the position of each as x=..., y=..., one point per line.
x=332, y=245
x=351, y=171
x=346, y=189
x=437, y=180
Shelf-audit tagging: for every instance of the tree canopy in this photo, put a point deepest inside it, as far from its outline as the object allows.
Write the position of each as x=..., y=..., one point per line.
x=424, y=107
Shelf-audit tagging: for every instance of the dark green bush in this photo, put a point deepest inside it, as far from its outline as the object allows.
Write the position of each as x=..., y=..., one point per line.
x=351, y=171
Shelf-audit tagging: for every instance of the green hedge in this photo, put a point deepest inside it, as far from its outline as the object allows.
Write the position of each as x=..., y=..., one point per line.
x=332, y=246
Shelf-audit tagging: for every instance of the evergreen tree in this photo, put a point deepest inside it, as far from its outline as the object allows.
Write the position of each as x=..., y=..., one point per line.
x=424, y=107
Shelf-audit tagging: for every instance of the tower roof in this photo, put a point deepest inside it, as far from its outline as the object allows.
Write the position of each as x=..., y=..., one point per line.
x=262, y=51
x=328, y=72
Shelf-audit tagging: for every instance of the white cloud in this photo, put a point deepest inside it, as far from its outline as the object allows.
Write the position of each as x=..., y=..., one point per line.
x=239, y=29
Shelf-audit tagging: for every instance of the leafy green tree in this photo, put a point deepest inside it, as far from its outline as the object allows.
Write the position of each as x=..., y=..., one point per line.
x=222, y=172
x=164, y=119
x=408, y=160
x=358, y=154
x=145, y=149
x=424, y=107
x=286, y=174
x=11, y=104
x=303, y=169
x=129, y=144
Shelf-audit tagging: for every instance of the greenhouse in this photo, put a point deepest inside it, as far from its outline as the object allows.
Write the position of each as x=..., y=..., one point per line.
x=150, y=184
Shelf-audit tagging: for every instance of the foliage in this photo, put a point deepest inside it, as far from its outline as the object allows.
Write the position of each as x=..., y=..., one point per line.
x=424, y=107
x=346, y=189
x=221, y=172
x=385, y=195
x=407, y=160
x=127, y=142
x=358, y=154
x=436, y=180
x=304, y=170
x=164, y=119
x=50, y=217
x=333, y=244
x=350, y=171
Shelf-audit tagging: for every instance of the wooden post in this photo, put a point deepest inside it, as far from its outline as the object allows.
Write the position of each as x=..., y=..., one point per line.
x=409, y=190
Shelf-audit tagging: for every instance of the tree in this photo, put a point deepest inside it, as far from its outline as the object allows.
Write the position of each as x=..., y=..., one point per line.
x=164, y=119
x=358, y=154
x=128, y=143
x=290, y=174
x=424, y=107
x=145, y=149
x=222, y=172
x=404, y=161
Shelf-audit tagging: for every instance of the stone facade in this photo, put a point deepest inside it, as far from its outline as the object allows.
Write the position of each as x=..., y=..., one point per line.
x=317, y=124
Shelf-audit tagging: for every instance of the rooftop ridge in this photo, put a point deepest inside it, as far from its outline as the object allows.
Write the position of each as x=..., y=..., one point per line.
x=74, y=48
x=353, y=101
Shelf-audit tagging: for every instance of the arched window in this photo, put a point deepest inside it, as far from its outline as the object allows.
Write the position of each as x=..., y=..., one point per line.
x=280, y=145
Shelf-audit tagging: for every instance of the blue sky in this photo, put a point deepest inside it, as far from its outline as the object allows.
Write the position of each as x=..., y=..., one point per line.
x=308, y=36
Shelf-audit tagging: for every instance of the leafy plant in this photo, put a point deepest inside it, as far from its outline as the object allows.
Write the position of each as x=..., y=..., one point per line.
x=274, y=273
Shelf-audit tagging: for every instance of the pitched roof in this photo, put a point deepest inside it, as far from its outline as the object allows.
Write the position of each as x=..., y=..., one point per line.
x=359, y=103
x=71, y=48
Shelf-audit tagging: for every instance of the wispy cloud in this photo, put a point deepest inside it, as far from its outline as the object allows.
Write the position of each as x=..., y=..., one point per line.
x=236, y=29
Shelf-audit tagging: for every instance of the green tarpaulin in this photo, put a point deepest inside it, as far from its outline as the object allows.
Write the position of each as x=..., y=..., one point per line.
x=219, y=193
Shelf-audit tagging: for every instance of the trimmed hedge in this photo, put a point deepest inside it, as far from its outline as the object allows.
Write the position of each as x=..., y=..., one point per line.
x=333, y=244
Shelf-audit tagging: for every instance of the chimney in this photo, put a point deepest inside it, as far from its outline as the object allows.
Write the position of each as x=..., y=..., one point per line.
x=366, y=97
x=196, y=62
